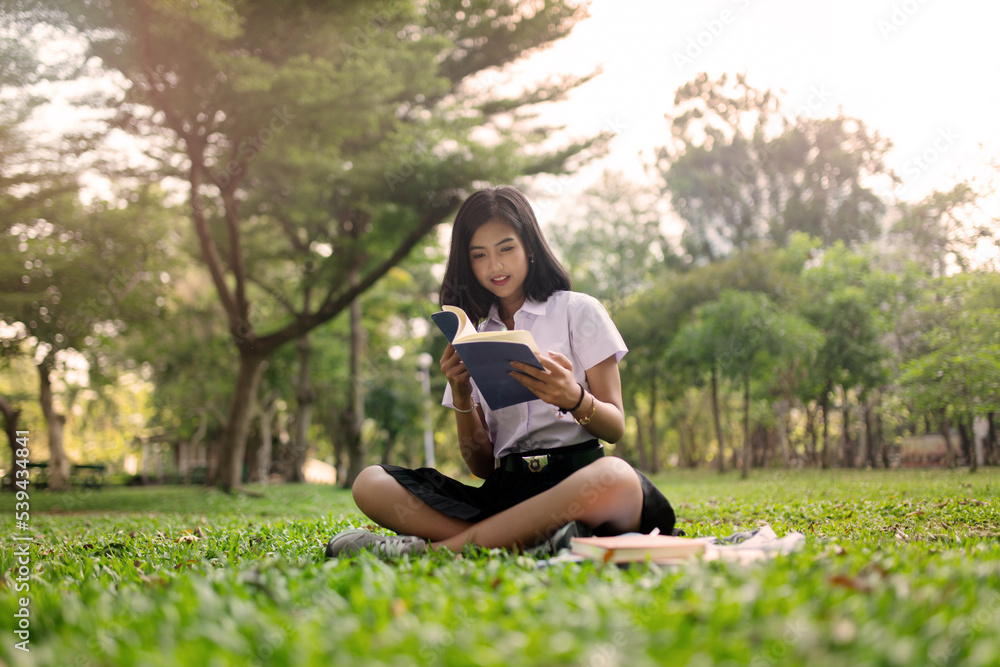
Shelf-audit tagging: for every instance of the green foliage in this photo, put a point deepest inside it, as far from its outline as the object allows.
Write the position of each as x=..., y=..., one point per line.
x=898, y=569
x=739, y=171
x=955, y=367
x=612, y=244
x=323, y=141
x=936, y=235
x=745, y=337
x=848, y=299
x=87, y=274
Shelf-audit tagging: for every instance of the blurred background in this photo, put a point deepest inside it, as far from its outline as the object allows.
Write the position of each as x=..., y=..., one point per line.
x=223, y=226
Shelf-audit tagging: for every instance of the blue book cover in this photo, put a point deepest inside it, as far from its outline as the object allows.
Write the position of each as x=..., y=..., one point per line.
x=487, y=355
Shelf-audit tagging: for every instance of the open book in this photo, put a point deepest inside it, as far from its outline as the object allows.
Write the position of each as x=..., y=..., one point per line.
x=487, y=355
x=636, y=548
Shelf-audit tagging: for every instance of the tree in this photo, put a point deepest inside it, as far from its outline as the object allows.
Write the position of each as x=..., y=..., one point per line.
x=956, y=374
x=612, y=242
x=744, y=337
x=613, y=246
x=936, y=235
x=846, y=298
x=737, y=171
x=87, y=274
x=11, y=399
x=328, y=137
x=652, y=318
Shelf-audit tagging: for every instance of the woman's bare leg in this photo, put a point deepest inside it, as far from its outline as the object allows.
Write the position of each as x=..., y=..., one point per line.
x=607, y=491
x=391, y=505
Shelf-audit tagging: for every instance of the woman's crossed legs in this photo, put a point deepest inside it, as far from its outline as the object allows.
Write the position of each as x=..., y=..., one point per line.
x=605, y=492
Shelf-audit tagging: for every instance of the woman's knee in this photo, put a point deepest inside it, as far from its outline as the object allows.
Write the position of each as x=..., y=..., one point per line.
x=367, y=483
x=617, y=494
x=613, y=473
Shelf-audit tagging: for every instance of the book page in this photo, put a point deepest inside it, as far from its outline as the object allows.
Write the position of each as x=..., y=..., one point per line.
x=509, y=336
x=453, y=323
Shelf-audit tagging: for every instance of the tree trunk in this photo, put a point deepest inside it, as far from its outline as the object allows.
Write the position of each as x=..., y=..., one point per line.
x=946, y=432
x=976, y=457
x=718, y=420
x=849, y=452
x=640, y=443
x=11, y=416
x=783, y=410
x=654, y=440
x=229, y=473
x=194, y=444
x=58, y=463
x=767, y=435
x=870, y=444
x=305, y=397
x=390, y=442
x=824, y=452
x=965, y=438
x=262, y=464
x=682, y=446
x=993, y=456
x=747, y=449
x=355, y=412
x=811, y=432
x=880, y=434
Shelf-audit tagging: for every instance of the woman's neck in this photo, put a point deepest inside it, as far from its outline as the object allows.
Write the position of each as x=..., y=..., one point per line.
x=506, y=311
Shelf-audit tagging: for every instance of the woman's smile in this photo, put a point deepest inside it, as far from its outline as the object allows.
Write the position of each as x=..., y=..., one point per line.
x=500, y=263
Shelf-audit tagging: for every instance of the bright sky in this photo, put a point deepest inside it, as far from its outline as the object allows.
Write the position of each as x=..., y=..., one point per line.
x=920, y=72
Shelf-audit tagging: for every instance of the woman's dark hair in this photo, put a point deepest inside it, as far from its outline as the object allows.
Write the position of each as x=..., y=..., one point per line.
x=506, y=204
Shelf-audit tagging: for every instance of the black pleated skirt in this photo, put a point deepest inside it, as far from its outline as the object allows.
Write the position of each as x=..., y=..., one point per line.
x=503, y=489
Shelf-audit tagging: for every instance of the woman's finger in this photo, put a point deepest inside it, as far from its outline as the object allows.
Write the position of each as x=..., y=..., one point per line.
x=561, y=359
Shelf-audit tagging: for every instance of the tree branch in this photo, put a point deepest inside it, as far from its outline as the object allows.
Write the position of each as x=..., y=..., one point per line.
x=289, y=229
x=274, y=294
x=333, y=305
x=208, y=249
x=232, y=209
x=8, y=410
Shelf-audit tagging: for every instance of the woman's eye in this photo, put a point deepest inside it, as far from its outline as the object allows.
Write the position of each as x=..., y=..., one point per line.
x=478, y=255
x=506, y=248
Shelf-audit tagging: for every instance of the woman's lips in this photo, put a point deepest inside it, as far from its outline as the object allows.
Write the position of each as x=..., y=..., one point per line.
x=500, y=281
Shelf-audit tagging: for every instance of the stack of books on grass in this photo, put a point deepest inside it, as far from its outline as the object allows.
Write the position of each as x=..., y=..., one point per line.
x=637, y=548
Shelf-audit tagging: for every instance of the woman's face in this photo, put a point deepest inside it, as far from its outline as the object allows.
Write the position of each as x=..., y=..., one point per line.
x=500, y=262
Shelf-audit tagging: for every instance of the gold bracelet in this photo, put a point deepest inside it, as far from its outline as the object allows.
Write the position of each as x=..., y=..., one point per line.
x=465, y=412
x=593, y=409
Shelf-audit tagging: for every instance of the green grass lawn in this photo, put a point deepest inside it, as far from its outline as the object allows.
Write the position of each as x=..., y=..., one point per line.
x=899, y=568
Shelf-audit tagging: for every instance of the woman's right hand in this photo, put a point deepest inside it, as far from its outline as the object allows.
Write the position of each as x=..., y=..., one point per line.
x=457, y=374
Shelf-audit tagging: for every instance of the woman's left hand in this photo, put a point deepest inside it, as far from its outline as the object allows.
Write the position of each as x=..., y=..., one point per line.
x=555, y=384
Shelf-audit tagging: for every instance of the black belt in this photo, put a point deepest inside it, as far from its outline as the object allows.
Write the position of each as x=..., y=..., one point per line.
x=561, y=460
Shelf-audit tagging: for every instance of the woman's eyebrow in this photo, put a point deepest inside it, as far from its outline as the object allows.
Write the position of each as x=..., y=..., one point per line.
x=479, y=247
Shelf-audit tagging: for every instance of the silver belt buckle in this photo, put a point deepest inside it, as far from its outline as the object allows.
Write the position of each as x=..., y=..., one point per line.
x=536, y=463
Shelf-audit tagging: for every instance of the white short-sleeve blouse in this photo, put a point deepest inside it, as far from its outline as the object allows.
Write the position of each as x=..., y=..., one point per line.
x=573, y=324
